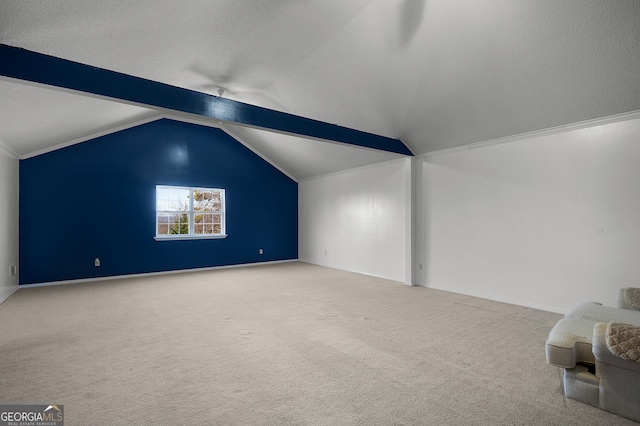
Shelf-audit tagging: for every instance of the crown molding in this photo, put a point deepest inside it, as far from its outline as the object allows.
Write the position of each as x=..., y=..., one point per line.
x=9, y=149
x=610, y=119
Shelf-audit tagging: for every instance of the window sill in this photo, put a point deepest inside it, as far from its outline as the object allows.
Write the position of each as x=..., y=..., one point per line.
x=191, y=237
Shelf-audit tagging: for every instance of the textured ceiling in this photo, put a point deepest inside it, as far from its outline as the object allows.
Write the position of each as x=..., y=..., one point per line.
x=35, y=119
x=434, y=73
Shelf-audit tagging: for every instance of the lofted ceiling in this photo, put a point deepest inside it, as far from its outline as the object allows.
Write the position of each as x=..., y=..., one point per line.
x=434, y=73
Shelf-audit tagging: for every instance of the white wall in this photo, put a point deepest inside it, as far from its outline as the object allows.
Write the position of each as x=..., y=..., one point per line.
x=358, y=220
x=546, y=222
x=8, y=222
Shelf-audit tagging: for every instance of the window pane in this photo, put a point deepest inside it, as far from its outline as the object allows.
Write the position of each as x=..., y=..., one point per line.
x=217, y=229
x=179, y=224
x=198, y=200
x=208, y=218
x=163, y=218
x=179, y=229
x=198, y=229
x=208, y=228
x=203, y=200
x=217, y=218
x=172, y=199
x=198, y=218
x=163, y=229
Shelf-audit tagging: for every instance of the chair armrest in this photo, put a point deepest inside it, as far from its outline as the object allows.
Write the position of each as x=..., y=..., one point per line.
x=602, y=352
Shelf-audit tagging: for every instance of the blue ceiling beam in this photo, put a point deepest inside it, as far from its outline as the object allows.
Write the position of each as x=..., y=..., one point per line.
x=36, y=67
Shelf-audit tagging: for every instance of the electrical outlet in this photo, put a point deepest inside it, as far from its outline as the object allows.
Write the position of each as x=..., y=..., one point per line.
x=97, y=261
x=13, y=271
x=261, y=251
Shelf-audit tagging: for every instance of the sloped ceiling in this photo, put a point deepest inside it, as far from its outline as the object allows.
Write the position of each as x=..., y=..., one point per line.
x=433, y=73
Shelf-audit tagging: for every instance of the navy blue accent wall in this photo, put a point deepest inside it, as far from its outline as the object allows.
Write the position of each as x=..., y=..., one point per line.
x=97, y=199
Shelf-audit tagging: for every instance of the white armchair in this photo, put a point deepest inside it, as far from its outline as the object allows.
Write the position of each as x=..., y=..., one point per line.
x=613, y=383
x=599, y=349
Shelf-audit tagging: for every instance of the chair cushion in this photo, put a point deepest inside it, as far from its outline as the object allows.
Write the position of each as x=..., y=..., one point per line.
x=632, y=297
x=598, y=313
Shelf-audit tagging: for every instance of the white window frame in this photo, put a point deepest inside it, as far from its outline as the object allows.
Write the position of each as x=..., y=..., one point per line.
x=191, y=235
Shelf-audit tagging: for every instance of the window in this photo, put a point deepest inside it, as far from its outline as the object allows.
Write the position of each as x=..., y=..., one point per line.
x=183, y=212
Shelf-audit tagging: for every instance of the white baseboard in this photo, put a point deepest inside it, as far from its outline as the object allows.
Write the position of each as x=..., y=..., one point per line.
x=355, y=271
x=152, y=274
x=7, y=292
x=524, y=303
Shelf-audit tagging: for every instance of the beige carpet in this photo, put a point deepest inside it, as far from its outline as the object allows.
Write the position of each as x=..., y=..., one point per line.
x=283, y=344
